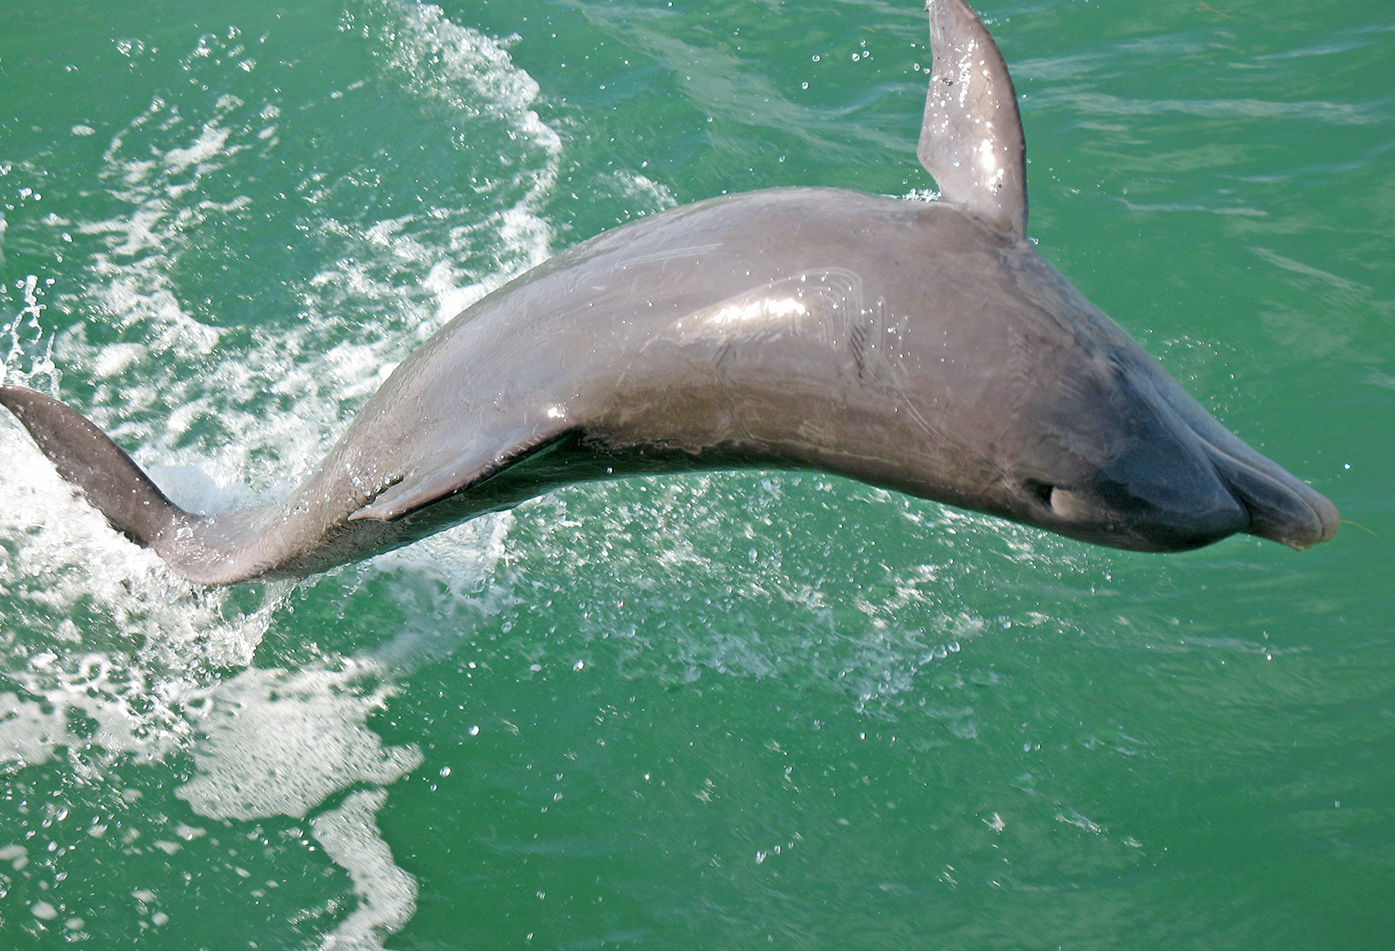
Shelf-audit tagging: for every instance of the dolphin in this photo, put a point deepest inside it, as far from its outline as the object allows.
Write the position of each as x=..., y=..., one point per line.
x=924, y=347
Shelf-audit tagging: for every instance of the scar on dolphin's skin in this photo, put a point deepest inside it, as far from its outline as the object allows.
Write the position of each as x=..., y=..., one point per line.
x=924, y=347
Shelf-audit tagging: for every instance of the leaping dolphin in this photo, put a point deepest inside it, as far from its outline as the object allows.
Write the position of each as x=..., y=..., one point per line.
x=920, y=346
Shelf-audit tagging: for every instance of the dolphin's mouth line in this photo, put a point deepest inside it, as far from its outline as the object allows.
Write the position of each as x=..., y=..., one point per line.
x=1230, y=468
x=1213, y=452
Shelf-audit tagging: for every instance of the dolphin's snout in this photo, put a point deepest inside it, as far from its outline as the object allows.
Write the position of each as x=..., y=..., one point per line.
x=1187, y=481
x=1183, y=481
x=1281, y=507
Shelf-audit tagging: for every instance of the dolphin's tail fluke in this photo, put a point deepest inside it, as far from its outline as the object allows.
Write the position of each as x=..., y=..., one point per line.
x=106, y=476
x=216, y=549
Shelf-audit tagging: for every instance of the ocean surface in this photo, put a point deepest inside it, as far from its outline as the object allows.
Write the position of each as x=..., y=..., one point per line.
x=723, y=711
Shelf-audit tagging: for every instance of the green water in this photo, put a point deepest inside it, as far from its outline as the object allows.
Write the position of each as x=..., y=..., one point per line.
x=726, y=711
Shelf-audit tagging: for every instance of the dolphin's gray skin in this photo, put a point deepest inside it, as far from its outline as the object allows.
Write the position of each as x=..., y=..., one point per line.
x=923, y=347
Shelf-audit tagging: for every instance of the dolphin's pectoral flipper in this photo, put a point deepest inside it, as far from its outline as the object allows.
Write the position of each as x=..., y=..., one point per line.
x=443, y=477
x=971, y=137
x=85, y=457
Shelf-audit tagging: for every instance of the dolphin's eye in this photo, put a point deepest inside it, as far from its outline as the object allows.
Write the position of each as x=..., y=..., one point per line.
x=1041, y=491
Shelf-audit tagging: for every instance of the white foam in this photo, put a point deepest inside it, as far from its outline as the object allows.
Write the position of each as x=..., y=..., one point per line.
x=474, y=75
x=280, y=742
x=387, y=895
x=29, y=732
x=147, y=672
x=211, y=142
x=116, y=358
x=650, y=195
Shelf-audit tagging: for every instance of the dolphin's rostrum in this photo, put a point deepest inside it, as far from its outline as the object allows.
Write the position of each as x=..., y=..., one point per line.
x=920, y=346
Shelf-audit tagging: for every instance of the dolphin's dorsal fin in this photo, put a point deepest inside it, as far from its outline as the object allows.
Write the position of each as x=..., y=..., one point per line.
x=971, y=139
